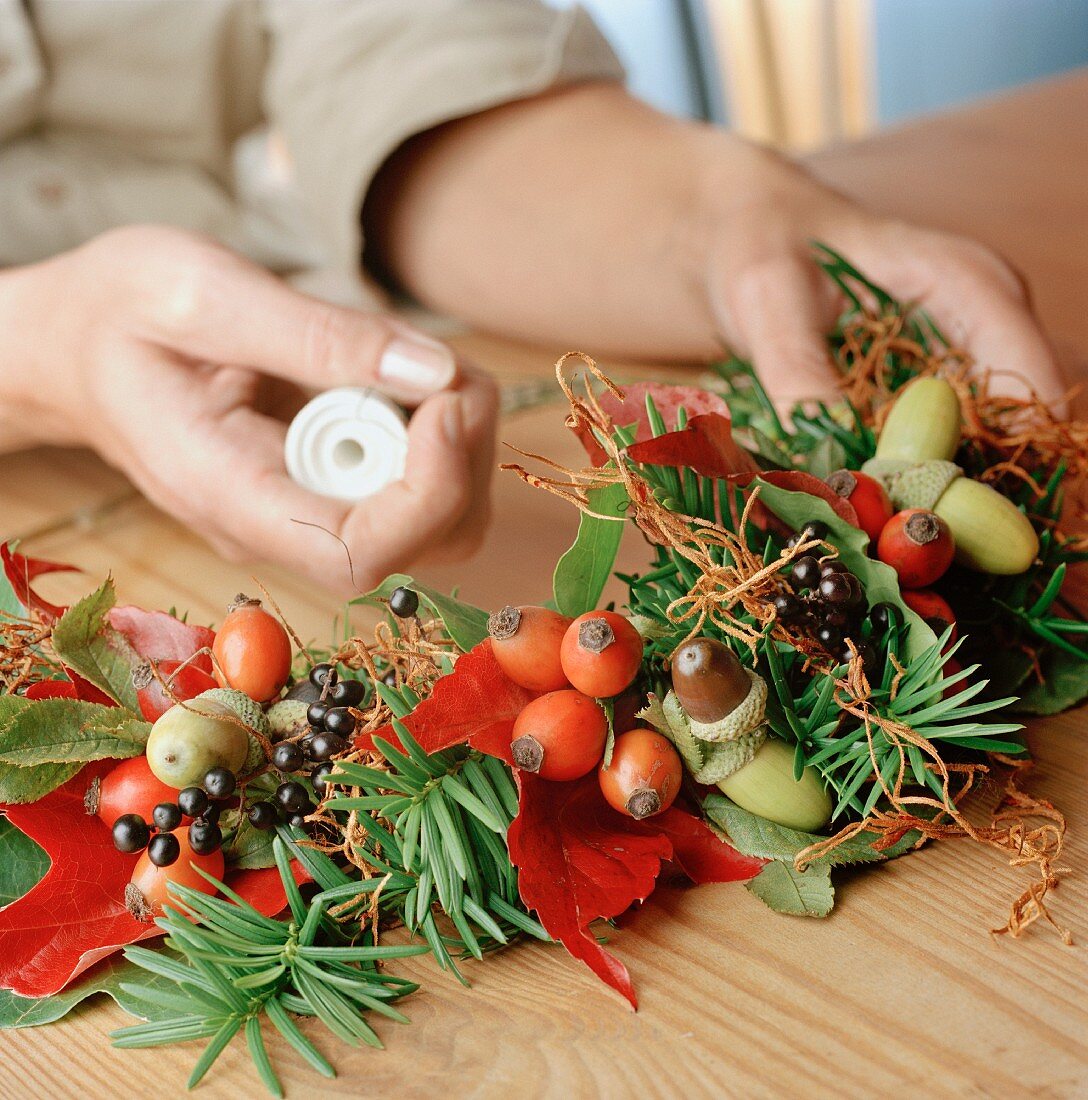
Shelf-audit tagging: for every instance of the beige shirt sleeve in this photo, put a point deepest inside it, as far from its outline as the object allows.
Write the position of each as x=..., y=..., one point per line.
x=349, y=82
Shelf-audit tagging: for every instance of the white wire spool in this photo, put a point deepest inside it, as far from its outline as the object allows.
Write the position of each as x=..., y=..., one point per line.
x=347, y=443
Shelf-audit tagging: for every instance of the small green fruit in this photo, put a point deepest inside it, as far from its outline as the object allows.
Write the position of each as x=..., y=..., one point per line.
x=250, y=713
x=992, y=535
x=925, y=422
x=287, y=718
x=188, y=741
x=766, y=787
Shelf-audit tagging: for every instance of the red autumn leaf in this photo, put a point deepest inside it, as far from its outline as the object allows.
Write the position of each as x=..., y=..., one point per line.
x=700, y=853
x=798, y=481
x=21, y=571
x=76, y=915
x=706, y=446
x=632, y=410
x=476, y=703
x=579, y=860
x=75, y=688
x=157, y=636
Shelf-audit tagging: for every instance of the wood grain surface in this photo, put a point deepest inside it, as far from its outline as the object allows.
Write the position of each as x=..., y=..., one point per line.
x=901, y=989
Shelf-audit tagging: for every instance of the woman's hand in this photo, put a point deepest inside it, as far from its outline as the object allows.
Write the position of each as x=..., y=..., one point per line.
x=770, y=301
x=162, y=351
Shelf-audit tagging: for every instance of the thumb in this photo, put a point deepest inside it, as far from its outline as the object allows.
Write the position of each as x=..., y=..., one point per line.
x=777, y=313
x=221, y=308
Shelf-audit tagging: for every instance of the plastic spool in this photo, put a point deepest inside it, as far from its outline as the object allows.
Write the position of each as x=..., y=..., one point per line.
x=347, y=443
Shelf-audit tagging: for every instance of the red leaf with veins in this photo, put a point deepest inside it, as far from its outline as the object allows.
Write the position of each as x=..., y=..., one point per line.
x=706, y=446
x=76, y=915
x=477, y=703
x=632, y=410
x=798, y=481
x=76, y=688
x=579, y=860
x=21, y=571
x=157, y=636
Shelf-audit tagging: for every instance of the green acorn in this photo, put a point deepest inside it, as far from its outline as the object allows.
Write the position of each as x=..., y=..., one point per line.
x=287, y=718
x=249, y=713
x=991, y=534
x=925, y=422
x=766, y=787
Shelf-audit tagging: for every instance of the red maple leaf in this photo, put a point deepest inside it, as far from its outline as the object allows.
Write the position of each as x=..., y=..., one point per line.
x=579, y=860
x=157, y=636
x=477, y=703
x=76, y=915
x=632, y=410
x=21, y=571
x=706, y=446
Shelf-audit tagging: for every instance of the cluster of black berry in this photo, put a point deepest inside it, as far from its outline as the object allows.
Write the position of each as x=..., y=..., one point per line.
x=131, y=833
x=331, y=725
x=827, y=600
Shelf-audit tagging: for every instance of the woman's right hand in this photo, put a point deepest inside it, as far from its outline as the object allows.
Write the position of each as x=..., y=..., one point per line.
x=158, y=348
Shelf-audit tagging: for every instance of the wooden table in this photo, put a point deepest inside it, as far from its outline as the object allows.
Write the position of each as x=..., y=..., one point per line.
x=902, y=988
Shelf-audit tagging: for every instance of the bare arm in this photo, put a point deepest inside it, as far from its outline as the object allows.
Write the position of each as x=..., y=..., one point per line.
x=586, y=218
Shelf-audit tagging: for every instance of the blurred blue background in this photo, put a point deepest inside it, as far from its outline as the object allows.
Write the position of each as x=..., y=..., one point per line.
x=803, y=72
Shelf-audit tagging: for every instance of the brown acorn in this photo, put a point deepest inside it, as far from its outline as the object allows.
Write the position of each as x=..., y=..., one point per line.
x=708, y=679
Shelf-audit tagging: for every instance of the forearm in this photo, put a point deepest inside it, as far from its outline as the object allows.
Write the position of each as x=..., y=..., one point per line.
x=582, y=216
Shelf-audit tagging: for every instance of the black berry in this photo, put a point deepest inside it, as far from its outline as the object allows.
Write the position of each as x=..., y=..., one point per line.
x=832, y=565
x=212, y=812
x=167, y=816
x=786, y=606
x=163, y=849
x=882, y=615
x=220, y=783
x=292, y=796
x=298, y=820
x=287, y=756
x=340, y=721
x=389, y=678
x=193, y=801
x=347, y=693
x=130, y=833
x=262, y=815
x=829, y=637
x=836, y=588
x=317, y=778
x=403, y=602
x=806, y=572
x=205, y=837
x=319, y=674
x=327, y=745
x=315, y=714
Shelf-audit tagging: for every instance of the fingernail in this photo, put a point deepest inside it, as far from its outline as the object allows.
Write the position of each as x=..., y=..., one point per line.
x=453, y=421
x=417, y=363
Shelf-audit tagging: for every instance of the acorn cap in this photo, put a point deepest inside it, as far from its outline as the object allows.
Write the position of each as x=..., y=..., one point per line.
x=249, y=713
x=922, y=485
x=743, y=720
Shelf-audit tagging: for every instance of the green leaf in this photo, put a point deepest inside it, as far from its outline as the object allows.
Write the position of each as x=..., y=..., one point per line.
x=1065, y=685
x=757, y=836
x=85, y=642
x=60, y=731
x=807, y=893
x=465, y=624
x=23, y=862
x=107, y=977
x=880, y=581
x=249, y=848
x=582, y=572
x=29, y=784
